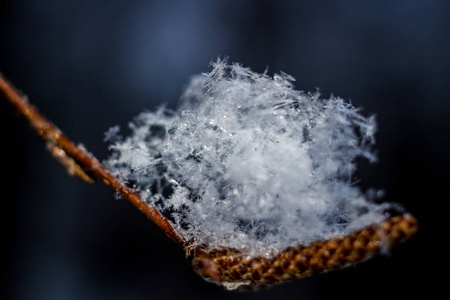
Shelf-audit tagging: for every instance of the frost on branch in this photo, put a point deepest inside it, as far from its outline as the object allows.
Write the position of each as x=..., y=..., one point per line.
x=250, y=163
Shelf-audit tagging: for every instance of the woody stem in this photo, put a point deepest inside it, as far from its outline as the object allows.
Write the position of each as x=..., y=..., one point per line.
x=72, y=155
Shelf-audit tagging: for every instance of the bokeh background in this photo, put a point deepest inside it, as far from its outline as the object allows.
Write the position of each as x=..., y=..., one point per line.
x=92, y=64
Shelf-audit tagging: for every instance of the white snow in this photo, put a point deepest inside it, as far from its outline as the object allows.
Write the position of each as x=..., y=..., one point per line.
x=250, y=163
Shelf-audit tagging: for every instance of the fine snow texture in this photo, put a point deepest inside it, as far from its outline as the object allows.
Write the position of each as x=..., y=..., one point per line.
x=250, y=163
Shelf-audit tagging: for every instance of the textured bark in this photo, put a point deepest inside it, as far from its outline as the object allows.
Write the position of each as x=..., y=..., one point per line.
x=233, y=269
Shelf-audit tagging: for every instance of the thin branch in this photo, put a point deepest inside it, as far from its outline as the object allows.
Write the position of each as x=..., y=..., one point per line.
x=229, y=268
x=78, y=161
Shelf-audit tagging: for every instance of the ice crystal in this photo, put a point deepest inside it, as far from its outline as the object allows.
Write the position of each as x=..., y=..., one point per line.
x=248, y=162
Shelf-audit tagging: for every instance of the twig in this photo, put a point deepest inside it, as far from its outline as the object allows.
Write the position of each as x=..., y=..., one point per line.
x=229, y=268
x=78, y=161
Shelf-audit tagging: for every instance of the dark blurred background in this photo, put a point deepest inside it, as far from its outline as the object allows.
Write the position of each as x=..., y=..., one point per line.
x=92, y=64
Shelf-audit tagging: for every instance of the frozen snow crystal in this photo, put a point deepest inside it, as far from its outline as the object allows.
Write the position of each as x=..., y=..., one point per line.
x=249, y=162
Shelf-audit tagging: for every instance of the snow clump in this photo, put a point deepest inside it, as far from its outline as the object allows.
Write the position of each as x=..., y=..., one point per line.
x=248, y=162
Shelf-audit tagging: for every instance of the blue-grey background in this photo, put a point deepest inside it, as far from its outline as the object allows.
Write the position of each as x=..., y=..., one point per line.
x=92, y=64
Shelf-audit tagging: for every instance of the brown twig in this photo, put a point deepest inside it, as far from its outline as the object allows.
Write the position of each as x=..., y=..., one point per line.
x=78, y=161
x=229, y=268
